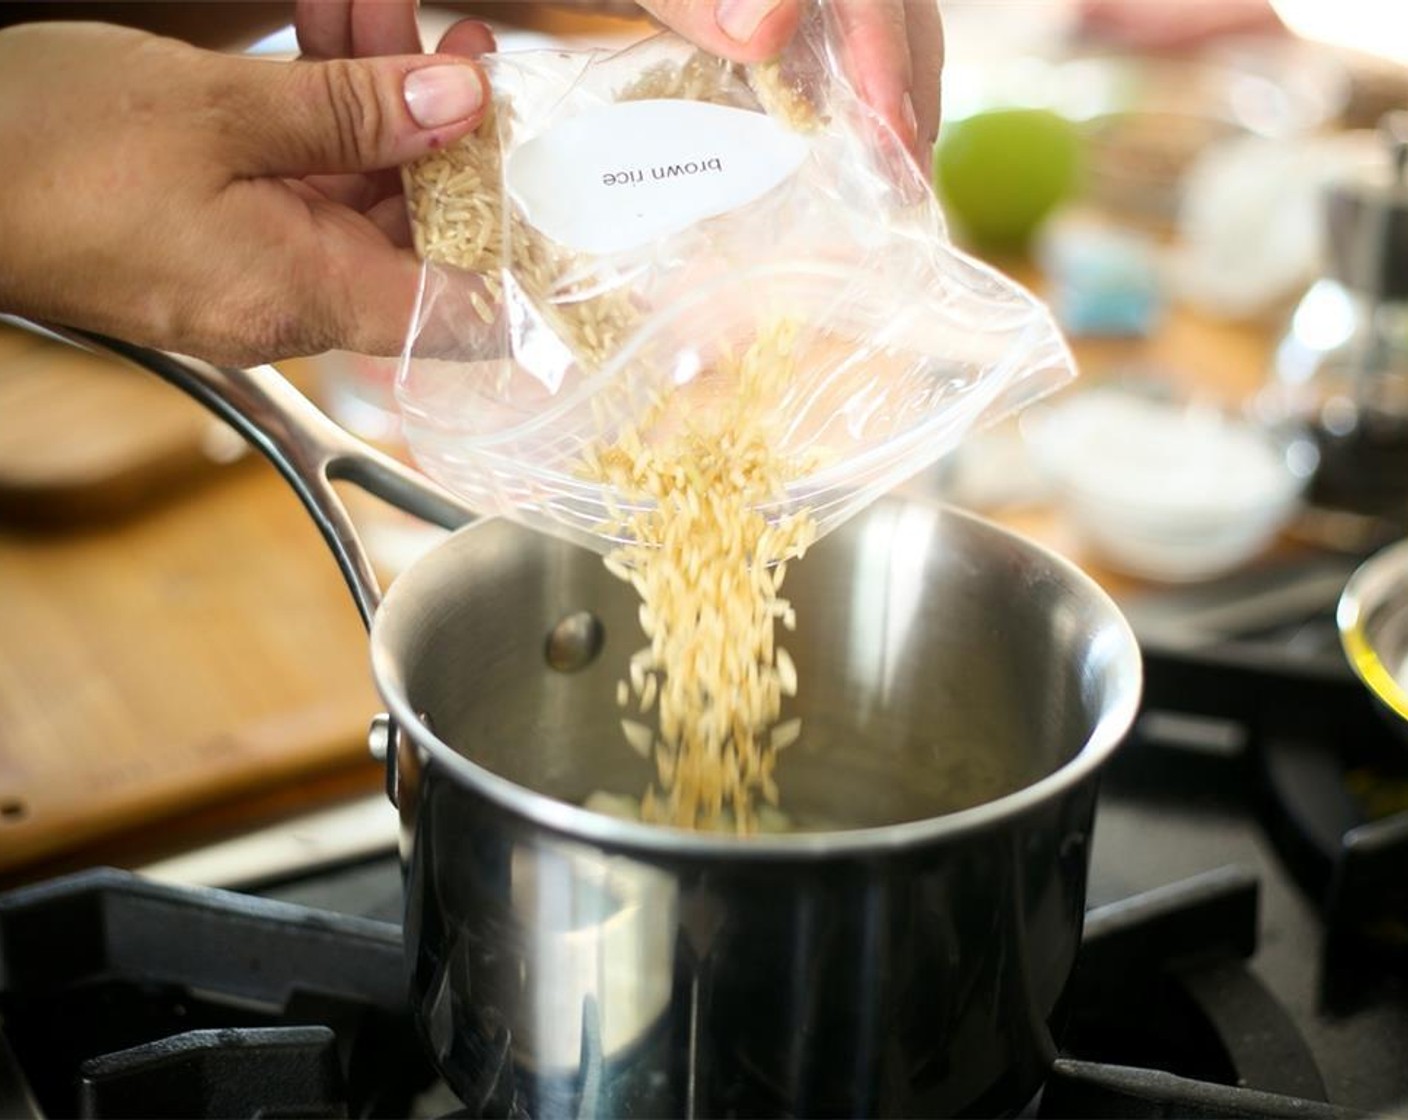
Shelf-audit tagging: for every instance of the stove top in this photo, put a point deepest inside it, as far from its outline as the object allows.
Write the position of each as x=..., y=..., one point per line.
x=1245, y=954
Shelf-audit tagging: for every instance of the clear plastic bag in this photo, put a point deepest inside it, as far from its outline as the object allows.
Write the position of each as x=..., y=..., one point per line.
x=626, y=225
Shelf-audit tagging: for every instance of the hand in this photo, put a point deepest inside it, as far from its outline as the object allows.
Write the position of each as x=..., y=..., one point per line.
x=1164, y=25
x=209, y=204
x=895, y=48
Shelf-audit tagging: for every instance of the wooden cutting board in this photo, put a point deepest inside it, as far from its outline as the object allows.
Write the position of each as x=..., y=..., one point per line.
x=85, y=437
x=155, y=664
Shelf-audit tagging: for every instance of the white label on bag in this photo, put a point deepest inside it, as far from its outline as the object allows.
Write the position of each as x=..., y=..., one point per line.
x=620, y=176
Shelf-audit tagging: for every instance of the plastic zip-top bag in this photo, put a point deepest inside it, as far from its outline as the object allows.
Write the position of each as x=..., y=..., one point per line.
x=653, y=250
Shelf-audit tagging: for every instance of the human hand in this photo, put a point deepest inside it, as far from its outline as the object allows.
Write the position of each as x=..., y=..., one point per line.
x=210, y=204
x=894, y=48
x=1172, y=25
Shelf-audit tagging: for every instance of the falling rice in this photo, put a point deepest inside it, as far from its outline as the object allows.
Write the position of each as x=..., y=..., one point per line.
x=709, y=566
x=639, y=736
x=785, y=734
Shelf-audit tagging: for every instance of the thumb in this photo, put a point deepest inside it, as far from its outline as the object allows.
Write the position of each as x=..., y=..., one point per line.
x=348, y=115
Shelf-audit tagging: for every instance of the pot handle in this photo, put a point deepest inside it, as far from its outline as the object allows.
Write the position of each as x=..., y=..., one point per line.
x=309, y=449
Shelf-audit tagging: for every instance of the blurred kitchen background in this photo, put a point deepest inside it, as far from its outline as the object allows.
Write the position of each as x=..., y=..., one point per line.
x=1218, y=216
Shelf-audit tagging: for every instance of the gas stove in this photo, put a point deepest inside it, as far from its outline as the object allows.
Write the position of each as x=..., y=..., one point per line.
x=1245, y=949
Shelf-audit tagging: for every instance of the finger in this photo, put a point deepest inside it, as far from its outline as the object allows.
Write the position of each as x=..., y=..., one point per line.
x=357, y=191
x=356, y=28
x=364, y=291
x=352, y=191
x=389, y=216
x=307, y=275
x=468, y=38
x=926, y=61
x=324, y=28
x=740, y=30
x=384, y=27
x=368, y=300
x=876, y=53
x=1156, y=27
x=301, y=118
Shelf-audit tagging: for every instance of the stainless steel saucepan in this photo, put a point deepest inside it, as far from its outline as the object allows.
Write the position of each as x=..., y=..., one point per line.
x=903, y=952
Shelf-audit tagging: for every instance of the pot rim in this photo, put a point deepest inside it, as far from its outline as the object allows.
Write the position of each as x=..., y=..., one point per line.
x=663, y=841
x=1371, y=587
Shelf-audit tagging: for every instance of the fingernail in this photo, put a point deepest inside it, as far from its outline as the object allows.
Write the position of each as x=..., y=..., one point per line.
x=440, y=95
x=740, y=19
x=911, y=122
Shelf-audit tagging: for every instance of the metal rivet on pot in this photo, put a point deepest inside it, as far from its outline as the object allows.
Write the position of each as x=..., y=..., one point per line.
x=381, y=741
x=575, y=641
x=379, y=736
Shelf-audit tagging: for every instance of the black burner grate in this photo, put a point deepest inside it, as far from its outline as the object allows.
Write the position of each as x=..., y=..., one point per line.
x=122, y=997
x=1332, y=778
x=1162, y=997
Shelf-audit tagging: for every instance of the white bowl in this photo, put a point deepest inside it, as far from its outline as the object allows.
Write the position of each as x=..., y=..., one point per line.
x=1162, y=490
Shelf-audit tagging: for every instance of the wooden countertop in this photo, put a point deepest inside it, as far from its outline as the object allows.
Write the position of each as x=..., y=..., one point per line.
x=160, y=656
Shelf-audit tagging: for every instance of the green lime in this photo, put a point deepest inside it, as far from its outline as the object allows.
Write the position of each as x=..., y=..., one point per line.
x=1001, y=172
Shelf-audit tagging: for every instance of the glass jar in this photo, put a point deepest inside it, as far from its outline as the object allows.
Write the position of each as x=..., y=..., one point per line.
x=1341, y=369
